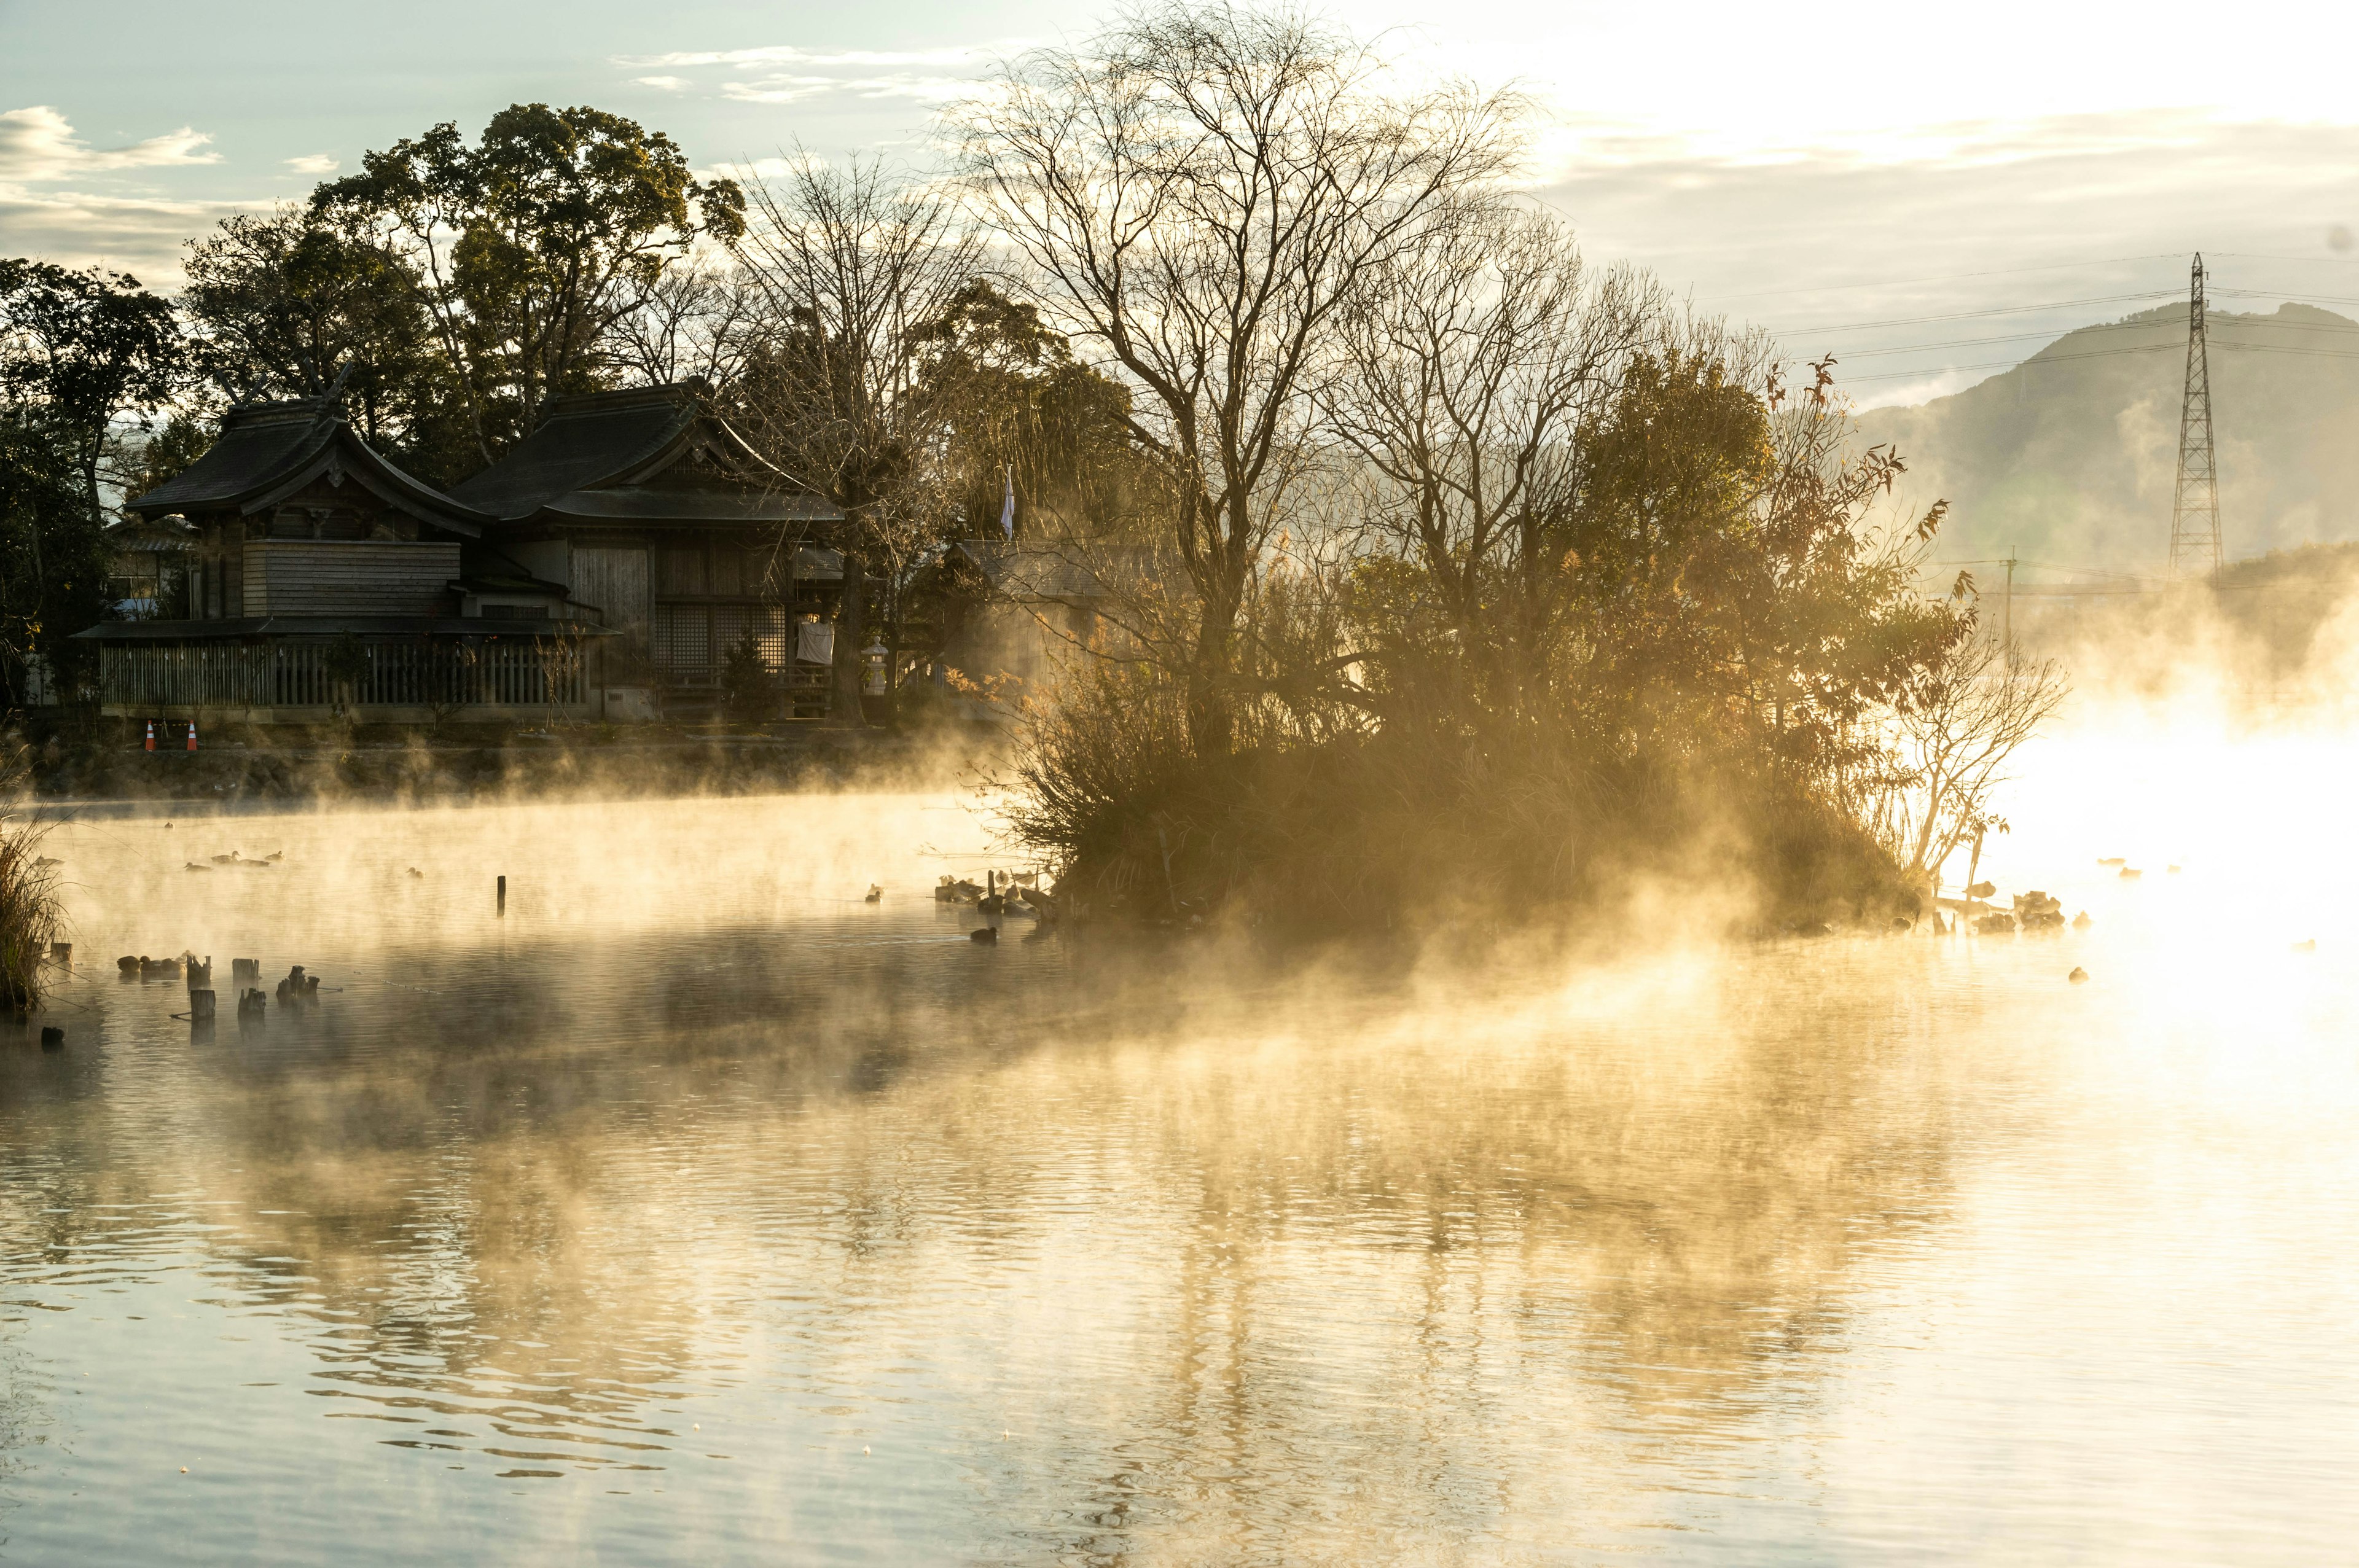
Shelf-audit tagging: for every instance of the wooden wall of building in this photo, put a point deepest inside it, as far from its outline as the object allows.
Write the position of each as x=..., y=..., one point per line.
x=615, y=580
x=349, y=577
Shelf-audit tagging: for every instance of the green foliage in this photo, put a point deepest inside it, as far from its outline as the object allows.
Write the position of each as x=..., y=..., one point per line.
x=1673, y=669
x=533, y=244
x=1029, y=414
x=52, y=559
x=285, y=305
x=185, y=437
x=79, y=348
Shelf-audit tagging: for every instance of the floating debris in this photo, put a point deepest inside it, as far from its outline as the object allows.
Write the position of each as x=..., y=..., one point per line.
x=986, y=935
x=2082, y=922
x=2172, y=870
x=2115, y=860
x=2309, y=947
x=2079, y=977
x=2131, y=875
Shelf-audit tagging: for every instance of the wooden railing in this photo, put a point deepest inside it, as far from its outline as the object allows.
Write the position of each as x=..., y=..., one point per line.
x=410, y=674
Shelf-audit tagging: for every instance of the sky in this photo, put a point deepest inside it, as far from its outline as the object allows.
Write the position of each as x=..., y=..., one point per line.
x=1925, y=191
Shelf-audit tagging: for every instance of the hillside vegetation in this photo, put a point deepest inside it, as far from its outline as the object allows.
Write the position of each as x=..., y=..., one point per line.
x=2070, y=457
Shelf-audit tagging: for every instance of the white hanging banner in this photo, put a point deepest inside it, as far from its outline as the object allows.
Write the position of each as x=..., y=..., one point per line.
x=815, y=643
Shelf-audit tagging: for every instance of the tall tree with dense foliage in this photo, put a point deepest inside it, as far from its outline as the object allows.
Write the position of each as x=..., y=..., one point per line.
x=535, y=243
x=78, y=350
x=81, y=353
x=52, y=556
x=1030, y=418
x=289, y=303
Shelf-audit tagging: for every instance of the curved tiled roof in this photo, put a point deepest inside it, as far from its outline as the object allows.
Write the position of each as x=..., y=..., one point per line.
x=593, y=458
x=584, y=441
x=265, y=449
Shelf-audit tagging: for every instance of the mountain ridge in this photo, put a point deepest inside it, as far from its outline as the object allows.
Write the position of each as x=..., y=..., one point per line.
x=2071, y=455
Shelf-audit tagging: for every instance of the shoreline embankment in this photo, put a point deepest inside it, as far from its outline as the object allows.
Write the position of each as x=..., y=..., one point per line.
x=278, y=767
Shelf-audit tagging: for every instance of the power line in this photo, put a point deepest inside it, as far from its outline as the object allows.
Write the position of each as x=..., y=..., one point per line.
x=2222, y=323
x=2289, y=298
x=1951, y=277
x=1973, y=314
x=2323, y=260
x=2009, y=365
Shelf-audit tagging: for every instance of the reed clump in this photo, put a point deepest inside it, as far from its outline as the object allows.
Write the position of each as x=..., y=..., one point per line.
x=32, y=912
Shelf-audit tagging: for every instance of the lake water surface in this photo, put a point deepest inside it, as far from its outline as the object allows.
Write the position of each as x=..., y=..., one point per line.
x=694, y=1210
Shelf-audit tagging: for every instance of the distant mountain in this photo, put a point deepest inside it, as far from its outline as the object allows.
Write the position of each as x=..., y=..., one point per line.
x=2070, y=457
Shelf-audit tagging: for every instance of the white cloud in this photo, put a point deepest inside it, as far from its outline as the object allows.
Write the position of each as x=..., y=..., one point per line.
x=2072, y=214
x=787, y=54
x=313, y=163
x=899, y=84
x=37, y=143
x=783, y=73
x=140, y=235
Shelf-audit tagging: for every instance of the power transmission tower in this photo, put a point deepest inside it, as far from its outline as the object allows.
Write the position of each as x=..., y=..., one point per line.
x=2195, y=503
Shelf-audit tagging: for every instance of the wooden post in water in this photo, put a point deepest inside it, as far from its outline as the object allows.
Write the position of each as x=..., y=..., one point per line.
x=503, y=895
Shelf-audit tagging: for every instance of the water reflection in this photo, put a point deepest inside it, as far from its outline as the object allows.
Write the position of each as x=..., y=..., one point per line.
x=814, y=1227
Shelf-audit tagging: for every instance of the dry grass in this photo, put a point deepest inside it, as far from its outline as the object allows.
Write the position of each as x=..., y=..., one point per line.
x=31, y=914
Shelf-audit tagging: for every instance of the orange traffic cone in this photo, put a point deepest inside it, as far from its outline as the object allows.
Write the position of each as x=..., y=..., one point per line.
x=151, y=734
x=192, y=734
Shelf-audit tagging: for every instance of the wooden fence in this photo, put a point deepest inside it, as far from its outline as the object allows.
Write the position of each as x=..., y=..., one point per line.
x=411, y=673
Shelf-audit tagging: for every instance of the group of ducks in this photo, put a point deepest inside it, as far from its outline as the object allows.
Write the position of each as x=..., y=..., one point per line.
x=234, y=859
x=1020, y=896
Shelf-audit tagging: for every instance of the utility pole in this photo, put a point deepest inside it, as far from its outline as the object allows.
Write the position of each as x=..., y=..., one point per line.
x=2195, y=500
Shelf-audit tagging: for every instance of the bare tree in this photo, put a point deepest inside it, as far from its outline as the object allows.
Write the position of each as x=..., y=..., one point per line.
x=696, y=322
x=1199, y=191
x=1473, y=364
x=848, y=267
x=1955, y=730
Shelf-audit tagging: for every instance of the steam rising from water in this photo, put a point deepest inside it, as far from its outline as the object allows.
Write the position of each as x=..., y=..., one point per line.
x=695, y=1210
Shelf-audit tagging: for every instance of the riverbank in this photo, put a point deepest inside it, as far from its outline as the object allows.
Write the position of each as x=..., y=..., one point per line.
x=393, y=765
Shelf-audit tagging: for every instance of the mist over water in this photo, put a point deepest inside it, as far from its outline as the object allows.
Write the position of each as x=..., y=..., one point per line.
x=694, y=1210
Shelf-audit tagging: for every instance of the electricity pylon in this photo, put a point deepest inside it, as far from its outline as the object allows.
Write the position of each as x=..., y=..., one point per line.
x=2195, y=503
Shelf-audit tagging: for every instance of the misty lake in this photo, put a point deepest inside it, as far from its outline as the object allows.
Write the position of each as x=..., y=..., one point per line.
x=694, y=1210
